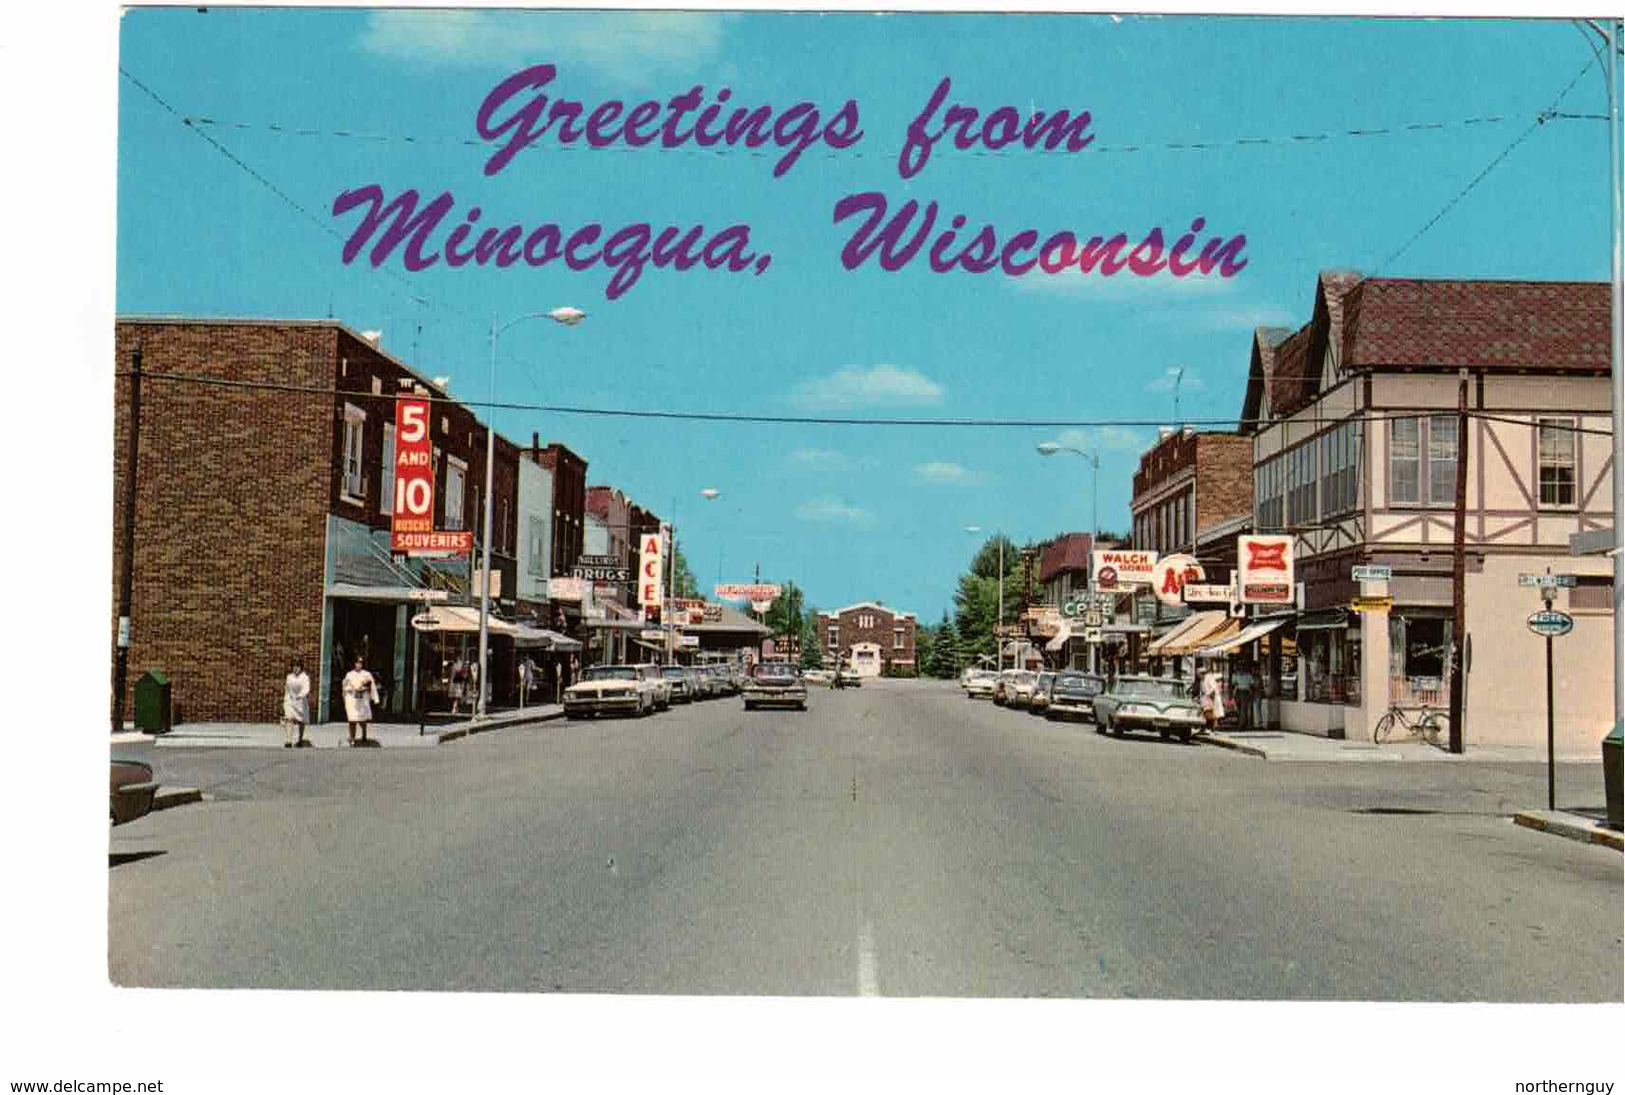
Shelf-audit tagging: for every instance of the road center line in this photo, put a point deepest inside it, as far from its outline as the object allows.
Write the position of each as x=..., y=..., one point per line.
x=867, y=985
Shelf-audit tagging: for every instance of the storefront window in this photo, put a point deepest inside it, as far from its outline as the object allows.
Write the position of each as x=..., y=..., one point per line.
x=1419, y=658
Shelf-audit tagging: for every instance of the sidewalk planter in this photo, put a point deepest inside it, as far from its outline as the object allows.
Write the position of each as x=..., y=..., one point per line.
x=154, y=712
x=1611, y=777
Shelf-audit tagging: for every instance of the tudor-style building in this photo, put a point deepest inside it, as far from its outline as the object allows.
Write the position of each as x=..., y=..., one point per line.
x=1354, y=426
x=871, y=638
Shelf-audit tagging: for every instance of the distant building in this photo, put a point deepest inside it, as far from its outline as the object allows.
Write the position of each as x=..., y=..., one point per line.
x=871, y=638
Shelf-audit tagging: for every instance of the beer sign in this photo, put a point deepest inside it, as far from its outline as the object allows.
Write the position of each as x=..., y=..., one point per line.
x=1264, y=570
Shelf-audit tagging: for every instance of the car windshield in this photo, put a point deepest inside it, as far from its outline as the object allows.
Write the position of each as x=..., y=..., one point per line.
x=676, y=672
x=1024, y=678
x=1077, y=682
x=982, y=674
x=1159, y=690
x=612, y=673
x=777, y=672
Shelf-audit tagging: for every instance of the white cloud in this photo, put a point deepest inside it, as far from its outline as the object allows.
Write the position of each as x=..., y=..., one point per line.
x=1243, y=319
x=881, y=386
x=944, y=471
x=829, y=509
x=1105, y=438
x=635, y=47
x=1121, y=287
x=1185, y=378
x=819, y=458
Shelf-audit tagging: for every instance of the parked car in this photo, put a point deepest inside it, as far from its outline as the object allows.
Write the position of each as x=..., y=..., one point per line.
x=1148, y=703
x=818, y=676
x=775, y=683
x=1039, y=703
x=662, y=687
x=132, y=786
x=607, y=689
x=683, y=689
x=1015, y=687
x=979, y=684
x=1072, y=695
x=851, y=678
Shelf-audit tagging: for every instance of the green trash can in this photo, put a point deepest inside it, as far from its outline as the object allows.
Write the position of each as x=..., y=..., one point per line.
x=153, y=710
x=1611, y=777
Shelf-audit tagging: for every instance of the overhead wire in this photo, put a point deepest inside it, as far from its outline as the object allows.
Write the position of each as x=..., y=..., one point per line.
x=745, y=418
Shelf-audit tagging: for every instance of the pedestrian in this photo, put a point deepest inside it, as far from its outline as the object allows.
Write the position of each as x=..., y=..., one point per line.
x=527, y=679
x=1212, y=694
x=295, y=706
x=459, y=682
x=360, y=693
x=1245, y=685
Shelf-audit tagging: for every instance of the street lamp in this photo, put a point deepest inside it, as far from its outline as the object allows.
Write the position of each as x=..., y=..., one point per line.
x=567, y=317
x=1050, y=448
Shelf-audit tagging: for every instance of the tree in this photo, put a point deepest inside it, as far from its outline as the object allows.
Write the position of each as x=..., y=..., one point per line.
x=945, y=650
x=684, y=583
x=812, y=653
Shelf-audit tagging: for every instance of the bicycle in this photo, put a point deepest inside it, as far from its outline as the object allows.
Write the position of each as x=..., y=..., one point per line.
x=1429, y=724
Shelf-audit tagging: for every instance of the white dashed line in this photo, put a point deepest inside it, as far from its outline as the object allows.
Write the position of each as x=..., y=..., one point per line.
x=867, y=984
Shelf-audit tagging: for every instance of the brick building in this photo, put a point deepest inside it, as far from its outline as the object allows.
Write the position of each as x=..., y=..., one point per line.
x=262, y=513
x=871, y=638
x=1193, y=495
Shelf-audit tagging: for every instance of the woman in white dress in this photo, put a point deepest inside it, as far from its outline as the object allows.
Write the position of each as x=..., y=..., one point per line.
x=295, y=706
x=360, y=693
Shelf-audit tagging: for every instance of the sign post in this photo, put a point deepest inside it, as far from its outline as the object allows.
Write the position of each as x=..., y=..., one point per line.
x=1549, y=624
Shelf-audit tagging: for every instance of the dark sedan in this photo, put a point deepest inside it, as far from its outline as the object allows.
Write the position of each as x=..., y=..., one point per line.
x=775, y=684
x=1148, y=703
x=1072, y=696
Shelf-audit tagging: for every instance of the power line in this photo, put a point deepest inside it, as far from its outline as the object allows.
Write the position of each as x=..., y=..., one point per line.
x=1549, y=114
x=802, y=420
x=253, y=173
x=1296, y=140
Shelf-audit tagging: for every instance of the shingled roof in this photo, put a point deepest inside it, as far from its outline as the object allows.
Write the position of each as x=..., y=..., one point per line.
x=1517, y=325
x=1068, y=552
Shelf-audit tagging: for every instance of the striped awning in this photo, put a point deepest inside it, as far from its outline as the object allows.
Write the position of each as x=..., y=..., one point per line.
x=1240, y=638
x=1197, y=625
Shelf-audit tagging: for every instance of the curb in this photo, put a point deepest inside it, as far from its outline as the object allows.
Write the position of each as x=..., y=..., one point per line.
x=1236, y=746
x=481, y=728
x=174, y=796
x=1573, y=828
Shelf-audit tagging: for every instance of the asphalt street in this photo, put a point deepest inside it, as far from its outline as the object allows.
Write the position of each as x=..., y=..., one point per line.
x=897, y=840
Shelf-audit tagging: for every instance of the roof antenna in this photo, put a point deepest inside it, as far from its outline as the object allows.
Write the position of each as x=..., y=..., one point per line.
x=1178, y=376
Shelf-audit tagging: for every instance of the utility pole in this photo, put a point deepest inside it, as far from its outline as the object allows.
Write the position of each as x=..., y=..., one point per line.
x=126, y=581
x=1616, y=208
x=1458, y=580
x=999, y=639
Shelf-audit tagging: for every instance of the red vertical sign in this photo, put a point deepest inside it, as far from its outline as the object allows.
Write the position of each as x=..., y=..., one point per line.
x=413, y=525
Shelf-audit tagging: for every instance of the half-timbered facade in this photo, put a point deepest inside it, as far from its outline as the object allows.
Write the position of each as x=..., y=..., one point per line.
x=1355, y=442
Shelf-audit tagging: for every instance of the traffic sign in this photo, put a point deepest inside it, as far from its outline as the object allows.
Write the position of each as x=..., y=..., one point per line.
x=1092, y=635
x=1371, y=604
x=1551, y=624
x=1092, y=619
x=1565, y=581
x=1373, y=574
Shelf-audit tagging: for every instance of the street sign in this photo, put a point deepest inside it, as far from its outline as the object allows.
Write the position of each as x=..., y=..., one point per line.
x=1091, y=635
x=1093, y=619
x=688, y=642
x=652, y=635
x=1373, y=574
x=1564, y=581
x=1551, y=624
x=1371, y=604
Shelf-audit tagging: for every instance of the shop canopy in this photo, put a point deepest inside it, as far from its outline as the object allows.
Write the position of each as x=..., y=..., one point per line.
x=457, y=620
x=541, y=638
x=1198, y=626
x=1061, y=636
x=1241, y=638
x=1331, y=619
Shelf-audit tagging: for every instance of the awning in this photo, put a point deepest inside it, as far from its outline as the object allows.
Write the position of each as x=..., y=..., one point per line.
x=1062, y=634
x=541, y=638
x=1196, y=641
x=457, y=620
x=1331, y=619
x=351, y=591
x=1241, y=638
x=1196, y=626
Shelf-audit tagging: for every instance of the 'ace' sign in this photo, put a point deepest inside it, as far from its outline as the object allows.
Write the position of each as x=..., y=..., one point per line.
x=649, y=570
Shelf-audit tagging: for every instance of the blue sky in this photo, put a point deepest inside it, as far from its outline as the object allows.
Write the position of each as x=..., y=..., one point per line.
x=853, y=512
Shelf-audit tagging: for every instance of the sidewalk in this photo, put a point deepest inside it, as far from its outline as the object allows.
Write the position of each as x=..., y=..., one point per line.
x=336, y=735
x=1289, y=746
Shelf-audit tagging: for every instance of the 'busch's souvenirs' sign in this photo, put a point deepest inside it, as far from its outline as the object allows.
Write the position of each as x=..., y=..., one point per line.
x=411, y=527
x=1264, y=569
x=1111, y=570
